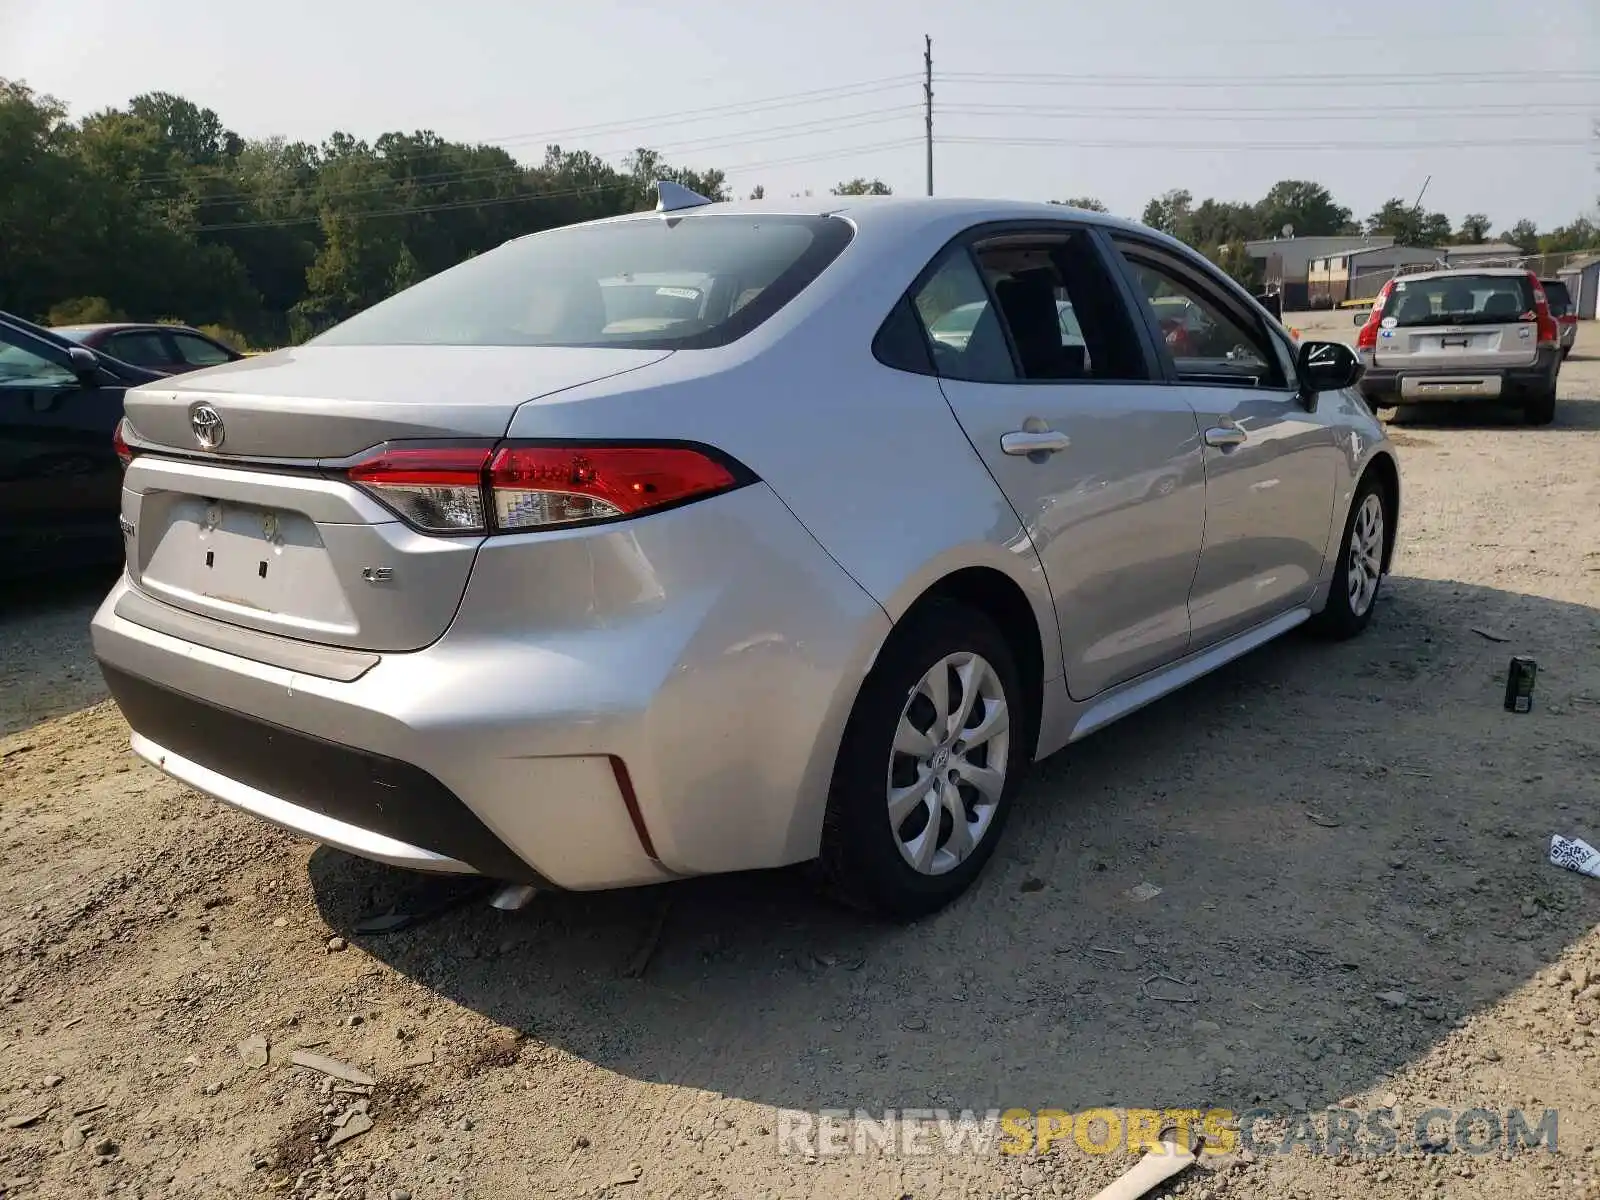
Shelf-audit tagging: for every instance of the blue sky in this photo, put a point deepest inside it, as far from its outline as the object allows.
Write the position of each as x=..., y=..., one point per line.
x=1051, y=99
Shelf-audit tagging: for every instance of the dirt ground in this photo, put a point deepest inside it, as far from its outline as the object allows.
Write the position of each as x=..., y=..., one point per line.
x=1355, y=906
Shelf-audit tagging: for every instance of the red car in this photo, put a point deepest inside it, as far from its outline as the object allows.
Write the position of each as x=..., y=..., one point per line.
x=169, y=349
x=1560, y=301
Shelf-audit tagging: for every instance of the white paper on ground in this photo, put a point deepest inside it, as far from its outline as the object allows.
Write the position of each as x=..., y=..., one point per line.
x=1575, y=854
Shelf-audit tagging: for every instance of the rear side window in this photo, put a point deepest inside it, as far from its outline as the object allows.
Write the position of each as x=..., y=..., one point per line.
x=1557, y=296
x=677, y=284
x=1459, y=300
x=1034, y=307
x=143, y=349
x=198, y=352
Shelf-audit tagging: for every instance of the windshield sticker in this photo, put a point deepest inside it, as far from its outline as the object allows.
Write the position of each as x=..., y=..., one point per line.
x=1390, y=322
x=679, y=293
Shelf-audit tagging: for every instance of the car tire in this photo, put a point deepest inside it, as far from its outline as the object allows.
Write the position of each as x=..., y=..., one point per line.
x=1541, y=410
x=1349, y=608
x=870, y=861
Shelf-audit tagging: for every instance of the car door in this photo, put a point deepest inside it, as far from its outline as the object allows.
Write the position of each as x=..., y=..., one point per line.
x=1270, y=460
x=60, y=481
x=1100, y=459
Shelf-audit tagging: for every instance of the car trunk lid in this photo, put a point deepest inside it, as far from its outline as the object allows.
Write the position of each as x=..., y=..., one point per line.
x=329, y=402
x=263, y=531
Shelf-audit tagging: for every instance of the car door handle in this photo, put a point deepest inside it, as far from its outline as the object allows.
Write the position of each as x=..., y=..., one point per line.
x=1022, y=442
x=1225, y=437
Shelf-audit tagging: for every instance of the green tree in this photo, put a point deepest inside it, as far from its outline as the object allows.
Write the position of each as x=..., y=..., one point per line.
x=1169, y=212
x=861, y=187
x=1307, y=207
x=84, y=310
x=1408, y=225
x=1524, y=235
x=1087, y=203
x=1474, y=229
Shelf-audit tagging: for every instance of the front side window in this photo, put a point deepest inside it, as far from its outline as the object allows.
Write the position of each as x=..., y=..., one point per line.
x=21, y=367
x=1208, y=341
x=674, y=284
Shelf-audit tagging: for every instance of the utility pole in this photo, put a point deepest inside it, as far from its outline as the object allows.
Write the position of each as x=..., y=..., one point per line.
x=927, y=102
x=1417, y=207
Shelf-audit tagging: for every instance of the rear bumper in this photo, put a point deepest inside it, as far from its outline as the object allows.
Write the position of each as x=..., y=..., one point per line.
x=614, y=706
x=1391, y=385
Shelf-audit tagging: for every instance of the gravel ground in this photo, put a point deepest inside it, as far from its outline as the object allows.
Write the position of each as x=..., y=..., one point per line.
x=1355, y=909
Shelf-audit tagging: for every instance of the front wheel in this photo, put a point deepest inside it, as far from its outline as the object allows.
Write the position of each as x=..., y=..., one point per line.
x=1358, y=573
x=931, y=757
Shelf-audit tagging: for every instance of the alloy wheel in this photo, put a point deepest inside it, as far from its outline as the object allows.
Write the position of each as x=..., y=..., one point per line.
x=1366, y=554
x=947, y=770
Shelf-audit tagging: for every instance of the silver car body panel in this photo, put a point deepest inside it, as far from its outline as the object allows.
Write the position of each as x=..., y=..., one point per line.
x=715, y=649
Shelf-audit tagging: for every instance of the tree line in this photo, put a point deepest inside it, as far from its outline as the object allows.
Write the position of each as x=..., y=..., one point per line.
x=1221, y=228
x=159, y=211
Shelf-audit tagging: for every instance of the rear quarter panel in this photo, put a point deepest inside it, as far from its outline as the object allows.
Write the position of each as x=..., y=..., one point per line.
x=870, y=459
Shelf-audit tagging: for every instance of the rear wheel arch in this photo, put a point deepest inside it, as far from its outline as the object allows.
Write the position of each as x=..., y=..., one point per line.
x=997, y=596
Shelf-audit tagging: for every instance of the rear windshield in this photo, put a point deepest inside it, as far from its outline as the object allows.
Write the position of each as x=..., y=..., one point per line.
x=1460, y=300
x=1556, y=294
x=682, y=283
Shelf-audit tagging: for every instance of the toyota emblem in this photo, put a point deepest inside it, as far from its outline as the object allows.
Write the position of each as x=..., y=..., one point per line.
x=207, y=425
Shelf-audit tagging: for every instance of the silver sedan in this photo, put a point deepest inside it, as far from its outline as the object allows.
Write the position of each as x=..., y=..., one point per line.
x=708, y=539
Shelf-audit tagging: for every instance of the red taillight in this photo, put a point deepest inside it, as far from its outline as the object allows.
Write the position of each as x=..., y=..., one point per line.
x=1367, y=339
x=539, y=486
x=523, y=487
x=119, y=443
x=1549, y=331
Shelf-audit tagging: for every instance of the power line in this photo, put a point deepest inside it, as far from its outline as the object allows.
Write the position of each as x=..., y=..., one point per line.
x=1354, y=112
x=847, y=91
x=1306, y=144
x=620, y=184
x=1343, y=79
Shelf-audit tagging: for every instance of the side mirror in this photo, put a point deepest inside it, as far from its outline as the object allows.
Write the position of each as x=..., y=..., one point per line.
x=84, y=364
x=1327, y=367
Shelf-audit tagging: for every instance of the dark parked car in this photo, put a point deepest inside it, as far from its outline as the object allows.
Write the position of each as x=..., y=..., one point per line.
x=60, y=481
x=168, y=349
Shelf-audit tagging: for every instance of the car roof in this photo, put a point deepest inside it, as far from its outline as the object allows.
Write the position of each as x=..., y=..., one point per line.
x=125, y=327
x=1462, y=272
x=890, y=214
